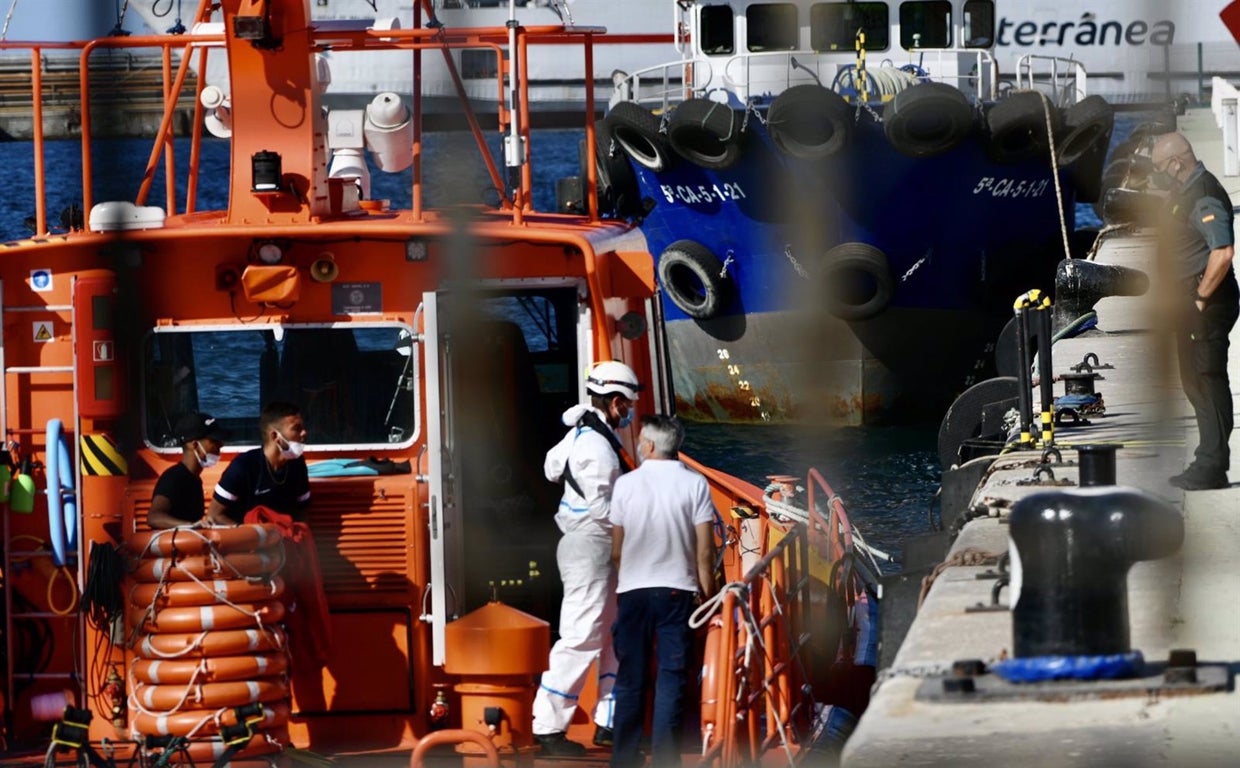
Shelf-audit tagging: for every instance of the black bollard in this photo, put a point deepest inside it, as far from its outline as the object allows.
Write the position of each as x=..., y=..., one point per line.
x=1080, y=284
x=1045, y=371
x=1023, y=375
x=1071, y=555
x=1097, y=465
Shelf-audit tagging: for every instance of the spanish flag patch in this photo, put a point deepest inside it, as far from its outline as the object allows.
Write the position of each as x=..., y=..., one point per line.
x=1209, y=217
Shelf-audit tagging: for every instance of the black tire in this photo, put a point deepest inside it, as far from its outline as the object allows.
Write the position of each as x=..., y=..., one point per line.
x=810, y=122
x=1018, y=128
x=693, y=278
x=1121, y=173
x=1087, y=173
x=636, y=130
x=857, y=281
x=975, y=414
x=1086, y=124
x=618, y=193
x=927, y=119
x=706, y=133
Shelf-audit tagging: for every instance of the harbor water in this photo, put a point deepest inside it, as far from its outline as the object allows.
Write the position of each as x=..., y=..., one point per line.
x=887, y=476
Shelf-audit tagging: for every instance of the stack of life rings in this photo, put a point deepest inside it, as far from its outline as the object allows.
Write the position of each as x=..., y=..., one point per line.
x=211, y=663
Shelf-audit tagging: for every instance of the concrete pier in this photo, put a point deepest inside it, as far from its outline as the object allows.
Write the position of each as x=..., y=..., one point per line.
x=1188, y=601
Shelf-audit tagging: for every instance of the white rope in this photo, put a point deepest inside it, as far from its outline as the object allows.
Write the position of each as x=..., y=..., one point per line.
x=4, y=35
x=1050, y=137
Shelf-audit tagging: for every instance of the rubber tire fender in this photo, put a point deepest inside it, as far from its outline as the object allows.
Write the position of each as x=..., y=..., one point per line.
x=636, y=130
x=692, y=277
x=963, y=419
x=927, y=119
x=1017, y=128
x=848, y=262
x=1086, y=124
x=706, y=133
x=810, y=122
x=617, y=186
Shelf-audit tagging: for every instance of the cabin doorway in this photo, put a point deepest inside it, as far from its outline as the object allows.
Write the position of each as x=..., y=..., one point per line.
x=507, y=363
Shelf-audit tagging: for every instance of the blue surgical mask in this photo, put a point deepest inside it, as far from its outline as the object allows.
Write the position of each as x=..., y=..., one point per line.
x=626, y=419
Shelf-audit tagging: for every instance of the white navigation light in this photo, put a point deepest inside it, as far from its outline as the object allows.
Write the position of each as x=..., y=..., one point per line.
x=388, y=129
x=270, y=253
x=121, y=215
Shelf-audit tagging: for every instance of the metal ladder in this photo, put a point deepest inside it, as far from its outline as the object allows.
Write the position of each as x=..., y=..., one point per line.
x=71, y=430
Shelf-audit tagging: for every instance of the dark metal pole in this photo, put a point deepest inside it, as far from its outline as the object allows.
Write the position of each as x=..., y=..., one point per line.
x=1024, y=384
x=1045, y=374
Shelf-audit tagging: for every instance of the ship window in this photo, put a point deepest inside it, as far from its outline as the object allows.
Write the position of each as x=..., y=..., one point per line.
x=717, y=32
x=478, y=65
x=926, y=24
x=834, y=26
x=355, y=386
x=979, y=24
x=771, y=27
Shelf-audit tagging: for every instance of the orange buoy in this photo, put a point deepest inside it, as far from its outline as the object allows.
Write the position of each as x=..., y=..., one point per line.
x=204, y=722
x=202, y=541
x=209, y=670
x=207, y=751
x=207, y=617
x=183, y=593
x=171, y=698
x=203, y=644
x=234, y=565
x=710, y=673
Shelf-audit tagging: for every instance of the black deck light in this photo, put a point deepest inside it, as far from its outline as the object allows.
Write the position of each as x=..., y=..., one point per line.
x=1072, y=551
x=267, y=172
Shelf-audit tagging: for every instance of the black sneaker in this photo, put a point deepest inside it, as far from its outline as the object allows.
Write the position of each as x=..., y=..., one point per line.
x=1200, y=480
x=558, y=745
x=603, y=737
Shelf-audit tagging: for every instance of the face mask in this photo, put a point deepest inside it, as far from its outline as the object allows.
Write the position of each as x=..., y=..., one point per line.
x=206, y=459
x=626, y=419
x=1162, y=180
x=291, y=450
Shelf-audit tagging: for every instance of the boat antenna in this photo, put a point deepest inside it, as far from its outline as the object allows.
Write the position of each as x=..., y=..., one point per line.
x=4, y=35
x=514, y=148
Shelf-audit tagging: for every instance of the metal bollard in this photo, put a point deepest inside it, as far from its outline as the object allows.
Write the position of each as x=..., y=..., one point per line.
x=1071, y=552
x=1097, y=465
x=1023, y=375
x=1045, y=374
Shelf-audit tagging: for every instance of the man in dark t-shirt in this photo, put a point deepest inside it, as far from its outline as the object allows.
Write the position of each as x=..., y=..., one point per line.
x=273, y=475
x=178, y=497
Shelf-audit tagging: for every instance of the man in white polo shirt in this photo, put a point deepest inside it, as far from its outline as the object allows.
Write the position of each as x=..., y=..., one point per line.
x=662, y=542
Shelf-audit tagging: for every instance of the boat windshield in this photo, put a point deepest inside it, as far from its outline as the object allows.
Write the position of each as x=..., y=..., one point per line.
x=834, y=26
x=353, y=385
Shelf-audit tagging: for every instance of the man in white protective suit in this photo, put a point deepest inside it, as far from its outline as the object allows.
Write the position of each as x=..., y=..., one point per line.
x=588, y=460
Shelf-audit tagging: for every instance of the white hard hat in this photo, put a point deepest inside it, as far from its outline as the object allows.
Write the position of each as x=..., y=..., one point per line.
x=612, y=378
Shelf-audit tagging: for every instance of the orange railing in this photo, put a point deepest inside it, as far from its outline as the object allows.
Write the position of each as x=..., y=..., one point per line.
x=414, y=40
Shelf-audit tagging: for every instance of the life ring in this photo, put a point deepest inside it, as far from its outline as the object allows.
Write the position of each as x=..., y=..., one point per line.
x=205, y=618
x=810, y=122
x=694, y=279
x=216, y=669
x=231, y=642
x=927, y=119
x=61, y=497
x=204, y=541
x=204, y=722
x=1086, y=123
x=618, y=193
x=706, y=133
x=235, y=565
x=170, y=698
x=636, y=130
x=710, y=675
x=1017, y=127
x=207, y=751
x=857, y=281
x=181, y=593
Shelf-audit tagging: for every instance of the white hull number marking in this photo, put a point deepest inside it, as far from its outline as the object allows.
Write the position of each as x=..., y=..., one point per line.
x=1011, y=187
x=702, y=193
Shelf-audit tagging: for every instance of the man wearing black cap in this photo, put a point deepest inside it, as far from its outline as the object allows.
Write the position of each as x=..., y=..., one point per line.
x=178, y=499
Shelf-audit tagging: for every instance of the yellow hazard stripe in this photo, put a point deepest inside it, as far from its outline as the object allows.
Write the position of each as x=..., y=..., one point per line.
x=101, y=457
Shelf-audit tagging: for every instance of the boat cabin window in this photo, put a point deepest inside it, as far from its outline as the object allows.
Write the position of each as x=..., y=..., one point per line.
x=355, y=385
x=979, y=24
x=772, y=27
x=834, y=26
x=717, y=30
x=926, y=24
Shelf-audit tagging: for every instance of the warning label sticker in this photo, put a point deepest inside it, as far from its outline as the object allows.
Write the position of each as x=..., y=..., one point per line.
x=43, y=331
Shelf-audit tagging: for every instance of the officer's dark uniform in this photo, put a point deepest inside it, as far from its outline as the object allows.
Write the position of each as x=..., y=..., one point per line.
x=1200, y=221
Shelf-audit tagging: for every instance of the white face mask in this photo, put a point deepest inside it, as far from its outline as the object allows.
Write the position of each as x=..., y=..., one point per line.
x=208, y=459
x=291, y=449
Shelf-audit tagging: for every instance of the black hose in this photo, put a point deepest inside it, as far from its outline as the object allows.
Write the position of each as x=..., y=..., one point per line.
x=102, y=600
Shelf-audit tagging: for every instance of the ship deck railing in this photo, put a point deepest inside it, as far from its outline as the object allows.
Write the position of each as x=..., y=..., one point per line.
x=1062, y=79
